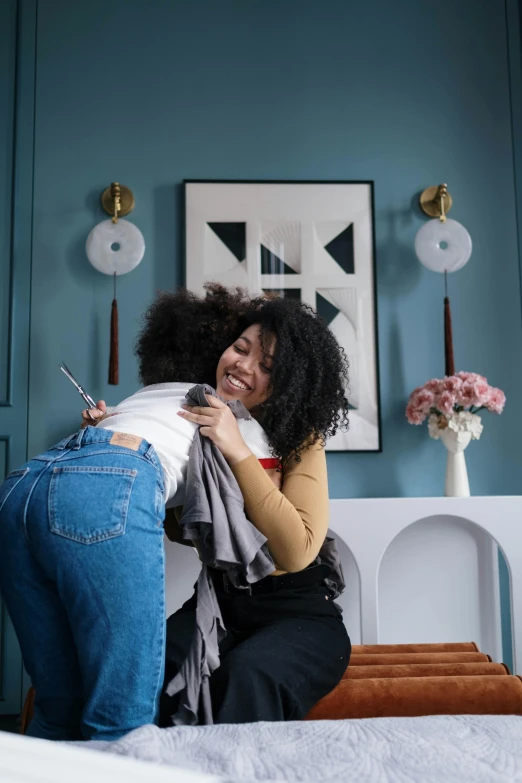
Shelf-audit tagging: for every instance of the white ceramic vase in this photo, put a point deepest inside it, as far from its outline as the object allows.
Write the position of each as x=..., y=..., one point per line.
x=457, y=484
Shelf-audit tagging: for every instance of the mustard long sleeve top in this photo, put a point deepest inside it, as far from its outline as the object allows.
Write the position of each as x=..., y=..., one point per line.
x=294, y=518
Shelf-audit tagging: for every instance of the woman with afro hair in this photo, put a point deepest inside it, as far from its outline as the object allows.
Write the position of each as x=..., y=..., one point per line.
x=286, y=645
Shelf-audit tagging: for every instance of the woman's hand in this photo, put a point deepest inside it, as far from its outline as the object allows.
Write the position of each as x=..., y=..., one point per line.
x=219, y=424
x=94, y=415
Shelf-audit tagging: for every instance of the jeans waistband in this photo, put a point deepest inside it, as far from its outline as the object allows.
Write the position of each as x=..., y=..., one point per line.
x=91, y=435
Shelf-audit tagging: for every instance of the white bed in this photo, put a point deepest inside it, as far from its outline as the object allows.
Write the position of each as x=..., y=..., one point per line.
x=437, y=749
x=442, y=749
x=27, y=760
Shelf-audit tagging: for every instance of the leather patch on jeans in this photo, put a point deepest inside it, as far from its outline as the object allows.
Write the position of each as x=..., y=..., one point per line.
x=126, y=441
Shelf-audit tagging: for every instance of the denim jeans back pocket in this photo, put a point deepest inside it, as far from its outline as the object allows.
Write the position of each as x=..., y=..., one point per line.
x=10, y=483
x=89, y=504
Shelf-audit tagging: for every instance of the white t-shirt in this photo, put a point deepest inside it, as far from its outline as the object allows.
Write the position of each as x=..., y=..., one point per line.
x=151, y=413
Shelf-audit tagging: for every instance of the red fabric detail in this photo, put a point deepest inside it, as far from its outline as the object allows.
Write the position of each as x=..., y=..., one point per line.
x=269, y=463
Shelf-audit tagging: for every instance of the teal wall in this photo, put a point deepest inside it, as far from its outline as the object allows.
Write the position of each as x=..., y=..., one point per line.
x=407, y=94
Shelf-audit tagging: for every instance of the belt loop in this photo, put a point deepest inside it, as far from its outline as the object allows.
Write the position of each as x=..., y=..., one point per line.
x=67, y=443
x=78, y=439
x=149, y=454
x=225, y=582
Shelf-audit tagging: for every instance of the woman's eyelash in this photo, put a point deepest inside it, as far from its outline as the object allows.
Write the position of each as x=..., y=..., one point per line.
x=238, y=349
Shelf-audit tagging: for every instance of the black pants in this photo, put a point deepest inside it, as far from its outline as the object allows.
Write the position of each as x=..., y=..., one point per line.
x=283, y=652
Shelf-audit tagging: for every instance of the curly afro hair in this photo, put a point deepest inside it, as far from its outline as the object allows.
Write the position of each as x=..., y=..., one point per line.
x=309, y=377
x=184, y=335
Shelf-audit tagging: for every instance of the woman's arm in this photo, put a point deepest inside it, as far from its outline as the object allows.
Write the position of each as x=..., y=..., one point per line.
x=295, y=519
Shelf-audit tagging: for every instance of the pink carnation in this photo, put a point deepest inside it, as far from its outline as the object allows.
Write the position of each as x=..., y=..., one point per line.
x=424, y=400
x=413, y=415
x=497, y=400
x=419, y=405
x=413, y=398
x=470, y=377
x=434, y=385
x=415, y=392
x=452, y=383
x=446, y=401
x=467, y=396
x=482, y=391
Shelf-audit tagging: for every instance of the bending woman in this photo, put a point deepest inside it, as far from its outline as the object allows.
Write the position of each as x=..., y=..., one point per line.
x=286, y=645
x=81, y=534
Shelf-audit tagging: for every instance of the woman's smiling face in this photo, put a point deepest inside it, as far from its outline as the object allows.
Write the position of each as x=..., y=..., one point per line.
x=243, y=372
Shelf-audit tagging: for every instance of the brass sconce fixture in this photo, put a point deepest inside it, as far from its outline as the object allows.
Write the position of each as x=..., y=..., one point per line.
x=436, y=201
x=117, y=200
x=115, y=247
x=442, y=245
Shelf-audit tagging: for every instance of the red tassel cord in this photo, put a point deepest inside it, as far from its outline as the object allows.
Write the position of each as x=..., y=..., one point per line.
x=449, y=357
x=114, y=369
x=448, y=339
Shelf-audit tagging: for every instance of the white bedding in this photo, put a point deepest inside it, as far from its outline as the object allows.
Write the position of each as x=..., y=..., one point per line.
x=28, y=760
x=435, y=749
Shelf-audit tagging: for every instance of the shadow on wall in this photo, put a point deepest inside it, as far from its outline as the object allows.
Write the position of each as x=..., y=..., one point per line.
x=168, y=244
x=397, y=274
x=90, y=281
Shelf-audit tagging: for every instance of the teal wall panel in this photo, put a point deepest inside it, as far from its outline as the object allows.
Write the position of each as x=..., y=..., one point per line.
x=17, y=91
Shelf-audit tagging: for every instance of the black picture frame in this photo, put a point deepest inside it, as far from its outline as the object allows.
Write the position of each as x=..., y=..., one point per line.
x=314, y=239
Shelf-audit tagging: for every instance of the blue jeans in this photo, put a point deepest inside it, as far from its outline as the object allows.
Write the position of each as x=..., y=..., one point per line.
x=82, y=575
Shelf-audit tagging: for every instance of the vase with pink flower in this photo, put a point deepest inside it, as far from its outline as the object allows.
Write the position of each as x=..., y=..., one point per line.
x=452, y=406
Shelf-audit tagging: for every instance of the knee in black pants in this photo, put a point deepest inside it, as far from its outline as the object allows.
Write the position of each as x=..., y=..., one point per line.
x=248, y=692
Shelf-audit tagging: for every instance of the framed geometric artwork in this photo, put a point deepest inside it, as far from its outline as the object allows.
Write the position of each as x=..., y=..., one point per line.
x=310, y=240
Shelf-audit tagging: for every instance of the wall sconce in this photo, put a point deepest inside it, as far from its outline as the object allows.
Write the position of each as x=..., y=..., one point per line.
x=115, y=247
x=442, y=245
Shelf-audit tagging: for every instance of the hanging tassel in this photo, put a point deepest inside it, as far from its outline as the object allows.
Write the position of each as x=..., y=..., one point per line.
x=449, y=357
x=448, y=339
x=114, y=369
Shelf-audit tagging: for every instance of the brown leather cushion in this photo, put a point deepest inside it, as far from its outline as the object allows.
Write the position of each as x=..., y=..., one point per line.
x=414, y=696
x=364, y=659
x=435, y=647
x=425, y=670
